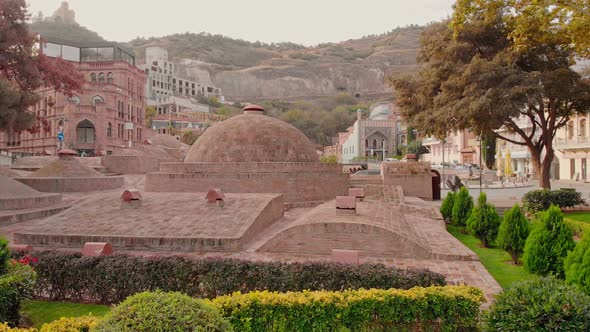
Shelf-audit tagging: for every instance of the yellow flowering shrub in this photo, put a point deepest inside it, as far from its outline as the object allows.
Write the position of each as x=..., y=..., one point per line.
x=71, y=324
x=444, y=308
x=5, y=328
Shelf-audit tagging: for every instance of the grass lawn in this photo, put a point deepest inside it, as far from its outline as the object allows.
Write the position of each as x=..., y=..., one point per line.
x=41, y=312
x=497, y=261
x=583, y=216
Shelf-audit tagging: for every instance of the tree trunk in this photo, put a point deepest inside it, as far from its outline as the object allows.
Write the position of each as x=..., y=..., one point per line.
x=543, y=167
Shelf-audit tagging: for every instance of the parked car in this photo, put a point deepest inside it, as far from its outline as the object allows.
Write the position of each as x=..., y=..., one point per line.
x=391, y=160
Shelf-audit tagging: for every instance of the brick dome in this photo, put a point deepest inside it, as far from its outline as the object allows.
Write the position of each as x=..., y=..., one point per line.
x=252, y=137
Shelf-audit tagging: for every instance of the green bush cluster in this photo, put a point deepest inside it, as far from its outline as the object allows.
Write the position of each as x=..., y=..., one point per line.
x=163, y=312
x=64, y=324
x=110, y=279
x=446, y=209
x=484, y=221
x=462, y=206
x=577, y=264
x=16, y=284
x=513, y=232
x=545, y=304
x=4, y=255
x=448, y=308
x=548, y=244
x=540, y=200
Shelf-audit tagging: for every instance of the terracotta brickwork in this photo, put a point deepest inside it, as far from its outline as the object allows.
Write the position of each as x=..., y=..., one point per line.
x=414, y=177
x=130, y=164
x=79, y=184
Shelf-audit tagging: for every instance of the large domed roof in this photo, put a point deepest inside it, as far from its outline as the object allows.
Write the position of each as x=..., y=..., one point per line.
x=252, y=137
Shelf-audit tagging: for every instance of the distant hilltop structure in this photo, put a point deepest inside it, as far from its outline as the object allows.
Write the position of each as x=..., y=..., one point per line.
x=64, y=14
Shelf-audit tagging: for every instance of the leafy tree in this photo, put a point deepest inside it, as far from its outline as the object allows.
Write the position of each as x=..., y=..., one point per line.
x=534, y=21
x=484, y=221
x=189, y=138
x=22, y=71
x=577, y=264
x=150, y=113
x=513, y=232
x=446, y=208
x=477, y=72
x=489, y=145
x=462, y=207
x=548, y=244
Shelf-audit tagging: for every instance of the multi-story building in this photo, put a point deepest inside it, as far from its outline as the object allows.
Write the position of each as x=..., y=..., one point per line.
x=572, y=146
x=163, y=81
x=459, y=147
x=176, y=124
x=105, y=115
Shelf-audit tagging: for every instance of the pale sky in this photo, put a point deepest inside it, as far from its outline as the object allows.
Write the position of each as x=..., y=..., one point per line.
x=307, y=22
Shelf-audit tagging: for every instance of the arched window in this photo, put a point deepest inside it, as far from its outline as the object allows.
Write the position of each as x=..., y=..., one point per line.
x=109, y=130
x=97, y=100
x=101, y=78
x=85, y=131
x=75, y=99
x=582, y=128
x=110, y=78
x=93, y=77
x=366, y=143
x=374, y=144
x=570, y=130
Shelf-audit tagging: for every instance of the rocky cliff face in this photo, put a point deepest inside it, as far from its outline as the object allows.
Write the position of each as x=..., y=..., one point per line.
x=252, y=70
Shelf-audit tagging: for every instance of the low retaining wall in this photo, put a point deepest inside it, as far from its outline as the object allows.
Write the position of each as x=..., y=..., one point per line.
x=22, y=203
x=131, y=164
x=59, y=185
x=414, y=177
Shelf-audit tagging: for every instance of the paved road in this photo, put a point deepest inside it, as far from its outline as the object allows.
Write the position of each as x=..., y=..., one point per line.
x=507, y=196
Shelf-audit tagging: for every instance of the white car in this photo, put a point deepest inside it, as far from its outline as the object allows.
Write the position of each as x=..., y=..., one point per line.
x=387, y=160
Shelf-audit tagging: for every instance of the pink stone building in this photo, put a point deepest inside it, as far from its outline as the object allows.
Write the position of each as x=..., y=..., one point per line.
x=106, y=115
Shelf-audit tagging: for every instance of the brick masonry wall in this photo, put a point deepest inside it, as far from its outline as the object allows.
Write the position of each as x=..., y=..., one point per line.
x=414, y=177
x=85, y=184
x=250, y=167
x=311, y=185
x=130, y=164
x=22, y=203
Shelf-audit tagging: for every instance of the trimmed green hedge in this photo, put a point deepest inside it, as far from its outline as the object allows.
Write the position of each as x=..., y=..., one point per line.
x=446, y=308
x=540, y=200
x=111, y=279
x=163, y=312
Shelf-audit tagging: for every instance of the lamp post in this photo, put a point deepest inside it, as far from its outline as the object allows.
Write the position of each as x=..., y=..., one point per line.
x=480, y=139
x=444, y=142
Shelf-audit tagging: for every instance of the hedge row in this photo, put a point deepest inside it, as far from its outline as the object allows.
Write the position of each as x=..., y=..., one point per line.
x=540, y=200
x=111, y=279
x=448, y=308
x=83, y=323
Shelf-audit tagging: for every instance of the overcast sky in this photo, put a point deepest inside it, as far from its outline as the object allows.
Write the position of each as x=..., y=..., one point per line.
x=307, y=22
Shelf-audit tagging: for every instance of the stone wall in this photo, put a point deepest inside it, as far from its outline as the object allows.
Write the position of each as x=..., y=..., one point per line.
x=130, y=164
x=299, y=182
x=83, y=184
x=414, y=177
x=21, y=203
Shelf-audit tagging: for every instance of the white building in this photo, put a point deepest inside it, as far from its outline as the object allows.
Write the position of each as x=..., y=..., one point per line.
x=459, y=147
x=572, y=147
x=163, y=81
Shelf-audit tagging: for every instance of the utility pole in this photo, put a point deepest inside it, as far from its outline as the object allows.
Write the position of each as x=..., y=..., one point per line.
x=480, y=139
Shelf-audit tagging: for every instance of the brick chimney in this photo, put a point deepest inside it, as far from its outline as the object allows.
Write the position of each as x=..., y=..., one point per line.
x=345, y=205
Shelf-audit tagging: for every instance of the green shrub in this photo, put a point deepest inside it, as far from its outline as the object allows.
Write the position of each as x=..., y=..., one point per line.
x=514, y=230
x=110, y=279
x=540, y=200
x=548, y=244
x=578, y=227
x=446, y=308
x=71, y=324
x=462, y=206
x=484, y=221
x=544, y=304
x=16, y=285
x=4, y=255
x=577, y=264
x=446, y=209
x=163, y=312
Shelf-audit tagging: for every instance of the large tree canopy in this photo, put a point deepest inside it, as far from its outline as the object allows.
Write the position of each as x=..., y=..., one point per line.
x=23, y=71
x=475, y=78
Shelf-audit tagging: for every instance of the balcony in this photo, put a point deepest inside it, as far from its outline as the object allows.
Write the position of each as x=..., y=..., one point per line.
x=573, y=143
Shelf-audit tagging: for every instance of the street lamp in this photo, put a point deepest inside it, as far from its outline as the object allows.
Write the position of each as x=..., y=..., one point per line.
x=480, y=139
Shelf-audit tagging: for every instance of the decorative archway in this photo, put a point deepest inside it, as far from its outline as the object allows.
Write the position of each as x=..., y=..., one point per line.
x=85, y=132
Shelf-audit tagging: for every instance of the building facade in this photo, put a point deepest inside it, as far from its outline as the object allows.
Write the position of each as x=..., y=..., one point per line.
x=572, y=146
x=105, y=115
x=163, y=82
